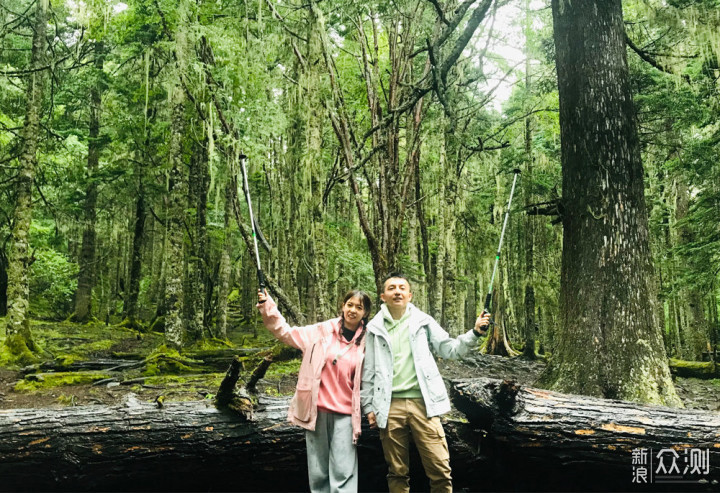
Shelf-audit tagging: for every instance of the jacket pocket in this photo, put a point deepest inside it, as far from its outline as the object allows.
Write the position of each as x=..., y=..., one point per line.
x=435, y=383
x=436, y=386
x=303, y=404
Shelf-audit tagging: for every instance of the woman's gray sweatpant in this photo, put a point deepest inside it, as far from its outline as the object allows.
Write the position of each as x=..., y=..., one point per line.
x=332, y=457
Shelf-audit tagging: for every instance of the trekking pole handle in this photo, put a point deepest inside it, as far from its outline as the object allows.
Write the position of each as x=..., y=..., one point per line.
x=488, y=300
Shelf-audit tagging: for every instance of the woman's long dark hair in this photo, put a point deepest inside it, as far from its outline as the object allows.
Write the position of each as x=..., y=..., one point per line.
x=367, y=306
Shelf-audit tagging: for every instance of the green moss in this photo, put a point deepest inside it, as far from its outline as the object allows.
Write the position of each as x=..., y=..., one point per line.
x=697, y=369
x=92, y=347
x=67, y=359
x=59, y=379
x=165, y=360
x=209, y=345
x=283, y=368
x=15, y=352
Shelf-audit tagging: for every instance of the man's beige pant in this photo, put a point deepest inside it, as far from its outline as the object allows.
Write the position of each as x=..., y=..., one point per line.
x=407, y=418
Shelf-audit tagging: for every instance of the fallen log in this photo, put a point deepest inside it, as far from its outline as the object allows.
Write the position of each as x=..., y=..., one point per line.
x=189, y=446
x=694, y=369
x=516, y=439
x=98, y=364
x=180, y=446
x=564, y=440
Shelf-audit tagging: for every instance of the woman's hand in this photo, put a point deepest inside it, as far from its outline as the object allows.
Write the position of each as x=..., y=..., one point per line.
x=262, y=296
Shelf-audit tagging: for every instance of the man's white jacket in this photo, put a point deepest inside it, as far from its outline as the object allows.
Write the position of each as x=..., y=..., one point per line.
x=425, y=336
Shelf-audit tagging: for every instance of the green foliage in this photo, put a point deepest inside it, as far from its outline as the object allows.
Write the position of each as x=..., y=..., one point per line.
x=52, y=283
x=274, y=91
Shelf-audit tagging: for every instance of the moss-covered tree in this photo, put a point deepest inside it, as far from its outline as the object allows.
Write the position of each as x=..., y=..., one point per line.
x=609, y=342
x=19, y=344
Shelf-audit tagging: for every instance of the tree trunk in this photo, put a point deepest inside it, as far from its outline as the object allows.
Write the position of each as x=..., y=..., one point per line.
x=225, y=269
x=590, y=440
x=183, y=446
x=174, y=327
x=453, y=292
x=696, y=331
x=3, y=284
x=19, y=342
x=471, y=301
x=131, y=298
x=559, y=442
x=529, y=331
x=430, y=281
x=86, y=278
x=198, y=258
x=497, y=340
x=609, y=343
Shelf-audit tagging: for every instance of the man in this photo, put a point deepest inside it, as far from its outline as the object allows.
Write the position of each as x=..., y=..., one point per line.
x=403, y=393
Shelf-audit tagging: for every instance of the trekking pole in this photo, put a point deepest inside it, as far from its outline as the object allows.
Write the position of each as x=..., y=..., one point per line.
x=246, y=189
x=488, y=298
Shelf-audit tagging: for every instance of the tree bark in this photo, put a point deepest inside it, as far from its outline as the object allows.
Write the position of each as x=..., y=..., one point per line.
x=696, y=331
x=609, y=343
x=198, y=258
x=19, y=341
x=86, y=278
x=3, y=283
x=174, y=327
x=529, y=325
x=131, y=298
x=560, y=442
x=182, y=446
x=590, y=439
x=225, y=269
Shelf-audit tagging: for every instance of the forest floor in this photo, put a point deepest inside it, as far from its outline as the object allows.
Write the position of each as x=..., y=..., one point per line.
x=148, y=373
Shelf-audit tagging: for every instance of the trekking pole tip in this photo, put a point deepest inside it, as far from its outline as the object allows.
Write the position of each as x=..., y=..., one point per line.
x=517, y=171
x=242, y=156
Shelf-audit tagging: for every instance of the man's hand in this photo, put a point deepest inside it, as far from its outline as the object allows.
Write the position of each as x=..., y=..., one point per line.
x=371, y=419
x=262, y=296
x=482, y=323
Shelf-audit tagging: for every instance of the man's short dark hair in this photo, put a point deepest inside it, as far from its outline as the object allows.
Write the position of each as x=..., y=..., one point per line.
x=396, y=275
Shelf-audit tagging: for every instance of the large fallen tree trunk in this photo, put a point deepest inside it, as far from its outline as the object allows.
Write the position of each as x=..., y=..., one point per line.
x=517, y=439
x=568, y=442
x=182, y=446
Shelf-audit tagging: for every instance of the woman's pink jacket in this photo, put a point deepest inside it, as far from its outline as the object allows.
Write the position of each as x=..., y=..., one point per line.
x=313, y=340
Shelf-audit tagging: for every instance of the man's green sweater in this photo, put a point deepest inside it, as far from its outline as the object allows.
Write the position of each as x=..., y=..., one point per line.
x=405, y=382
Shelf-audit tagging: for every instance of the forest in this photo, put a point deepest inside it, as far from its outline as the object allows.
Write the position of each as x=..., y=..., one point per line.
x=378, y=137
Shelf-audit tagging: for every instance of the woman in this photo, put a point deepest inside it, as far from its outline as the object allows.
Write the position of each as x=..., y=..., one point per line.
x=327, y=398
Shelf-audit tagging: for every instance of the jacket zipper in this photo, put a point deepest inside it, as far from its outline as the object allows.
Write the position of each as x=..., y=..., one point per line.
x=312, y=352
